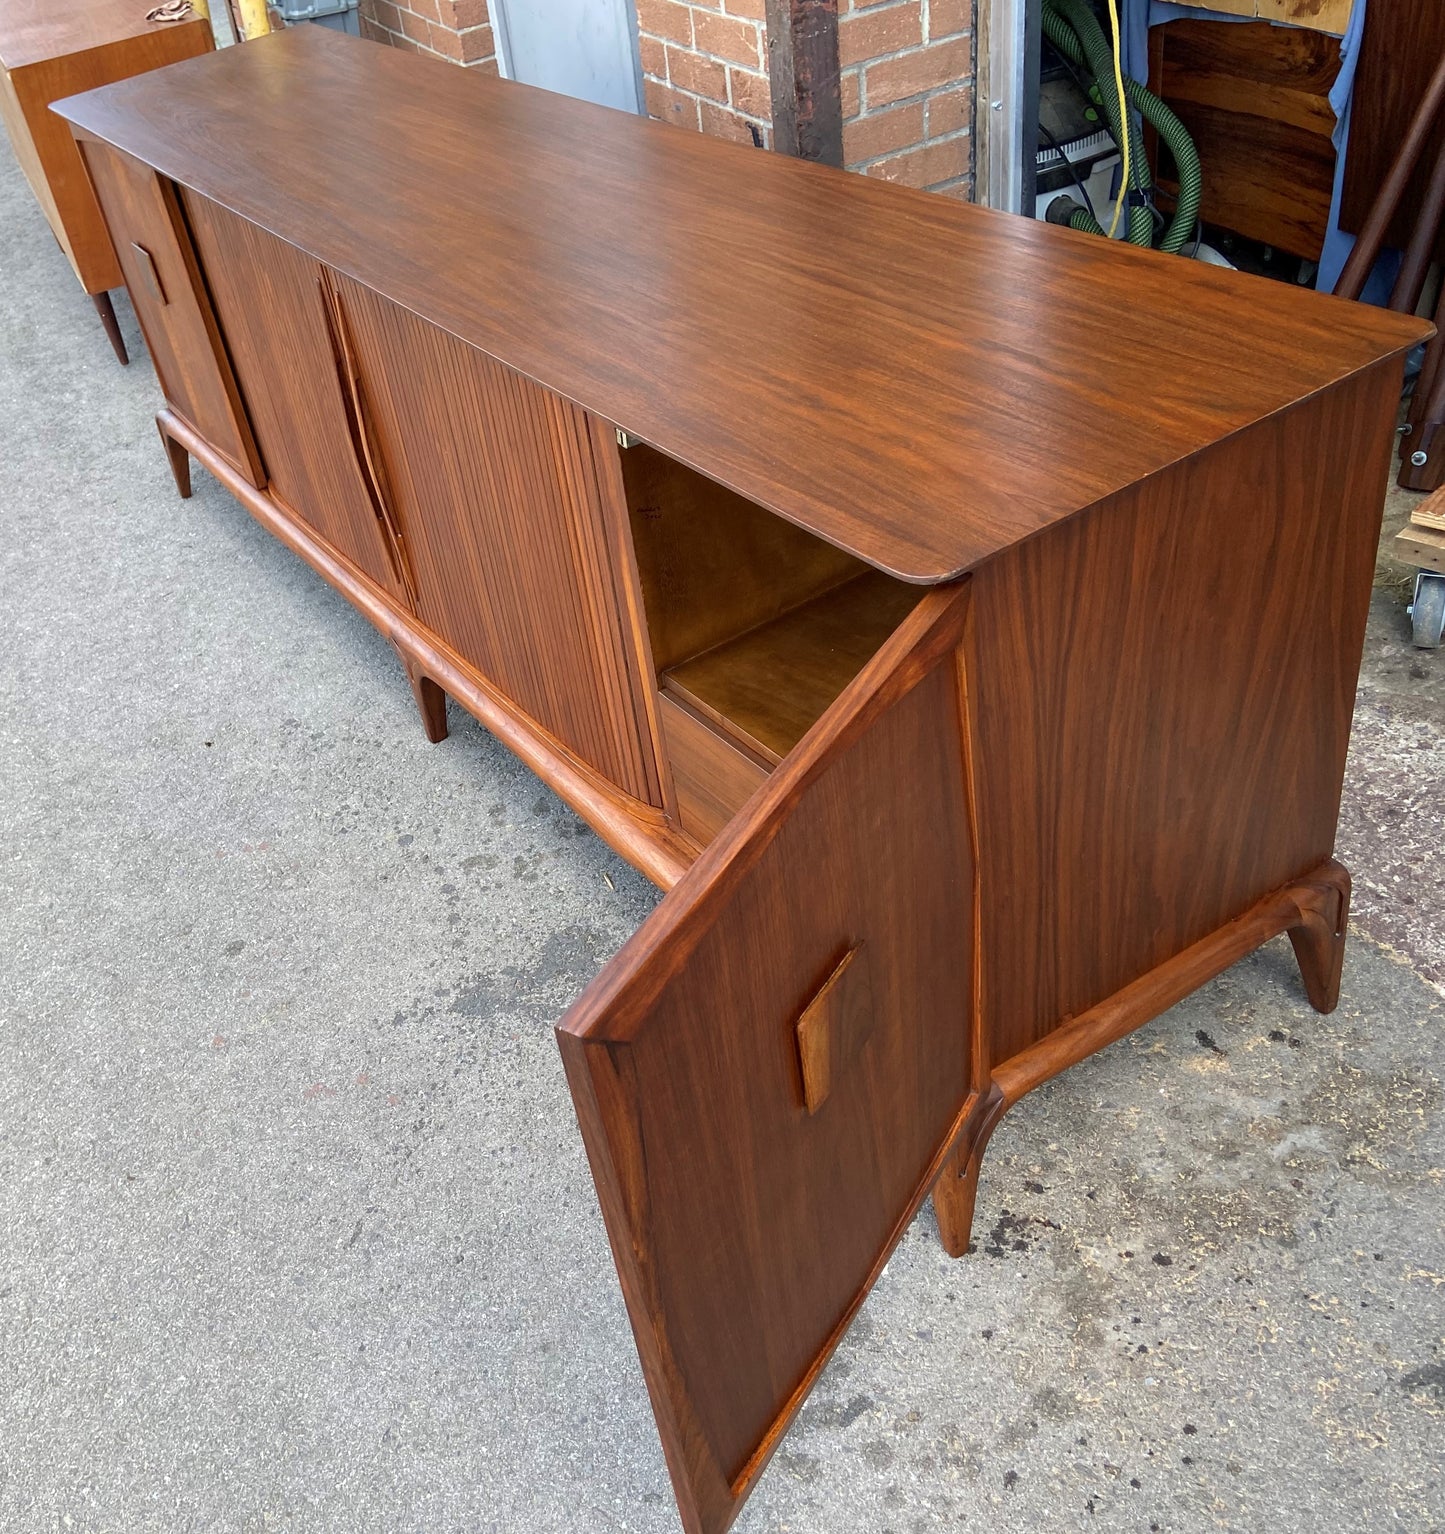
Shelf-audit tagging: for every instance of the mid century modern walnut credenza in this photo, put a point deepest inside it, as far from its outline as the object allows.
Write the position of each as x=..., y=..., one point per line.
x=959, y=615
x=53, y=48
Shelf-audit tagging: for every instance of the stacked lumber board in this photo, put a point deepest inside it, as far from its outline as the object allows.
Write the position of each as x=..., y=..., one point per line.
x=1422, y=543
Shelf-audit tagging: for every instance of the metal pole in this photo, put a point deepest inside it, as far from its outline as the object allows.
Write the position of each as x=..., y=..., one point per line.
x=252, y=18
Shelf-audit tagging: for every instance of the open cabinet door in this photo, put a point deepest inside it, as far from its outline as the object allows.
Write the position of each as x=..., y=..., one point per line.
x=771, y=1072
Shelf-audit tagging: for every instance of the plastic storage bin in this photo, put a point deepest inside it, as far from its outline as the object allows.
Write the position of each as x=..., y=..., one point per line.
x=340, y=15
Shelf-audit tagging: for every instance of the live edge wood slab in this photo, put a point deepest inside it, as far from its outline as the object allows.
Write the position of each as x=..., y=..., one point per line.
x=53, y=48
x=959, y=616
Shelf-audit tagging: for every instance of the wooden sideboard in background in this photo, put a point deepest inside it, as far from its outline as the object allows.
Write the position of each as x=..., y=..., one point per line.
x=1256, y=101
x=50, y=49
x=958, y=615
x=1402, y=45
x=1315, y=15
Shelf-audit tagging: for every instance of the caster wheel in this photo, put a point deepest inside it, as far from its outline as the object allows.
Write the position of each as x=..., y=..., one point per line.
x=1427, y=612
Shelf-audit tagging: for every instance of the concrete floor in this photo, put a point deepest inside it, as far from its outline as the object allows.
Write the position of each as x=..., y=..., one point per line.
x=297, y=1229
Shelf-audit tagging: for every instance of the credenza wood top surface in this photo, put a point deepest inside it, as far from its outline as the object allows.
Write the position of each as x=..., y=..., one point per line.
x=32, y=31
x=920, y=381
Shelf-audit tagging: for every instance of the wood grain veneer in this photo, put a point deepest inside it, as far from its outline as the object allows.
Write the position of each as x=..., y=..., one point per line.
x=50, y=49
x=36, y=31
x=163, y=275
x=767, y=687
x=713, y=564
x=1165, y=690
x=471, y=453
x=955, y=839
x=713, y=773
x=846, y=353
x=683, y=1060
x=1256, y=101
x=268, y=298
x=642, y=837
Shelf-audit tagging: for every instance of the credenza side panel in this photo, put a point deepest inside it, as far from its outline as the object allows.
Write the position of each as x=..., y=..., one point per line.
x=496, y=489
x=36, y=152
x=1164, y=693
x=143, y=213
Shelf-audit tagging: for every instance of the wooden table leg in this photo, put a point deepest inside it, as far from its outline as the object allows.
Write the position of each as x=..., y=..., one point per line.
x=106, y=310
x=431, y=701
x=956, y=1190
x=179, y=458
x=1422, y=452
x=1319, y=940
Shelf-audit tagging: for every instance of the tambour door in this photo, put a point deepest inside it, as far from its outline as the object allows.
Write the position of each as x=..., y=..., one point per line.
x=143, y=213
x=770, y=1073
x=275, y=308
x=496, y=493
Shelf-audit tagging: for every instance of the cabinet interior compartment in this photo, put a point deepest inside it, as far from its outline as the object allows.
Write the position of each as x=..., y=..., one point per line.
x=756, y=627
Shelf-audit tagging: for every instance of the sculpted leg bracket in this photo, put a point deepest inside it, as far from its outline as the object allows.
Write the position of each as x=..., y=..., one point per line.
x=1314, y=911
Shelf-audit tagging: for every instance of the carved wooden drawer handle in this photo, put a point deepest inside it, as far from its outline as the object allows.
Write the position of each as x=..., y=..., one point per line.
x=362, y=447
x=834, y=1026
x=149, y=276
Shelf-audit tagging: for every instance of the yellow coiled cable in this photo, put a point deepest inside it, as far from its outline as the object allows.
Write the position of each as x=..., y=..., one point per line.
x=1123, y=116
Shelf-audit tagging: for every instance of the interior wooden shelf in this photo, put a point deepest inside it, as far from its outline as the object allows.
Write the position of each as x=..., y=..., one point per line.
x=767, y=687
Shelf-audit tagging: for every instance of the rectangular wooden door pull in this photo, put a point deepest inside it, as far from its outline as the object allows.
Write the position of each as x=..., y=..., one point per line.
x=833, y=1027
x=150, y=277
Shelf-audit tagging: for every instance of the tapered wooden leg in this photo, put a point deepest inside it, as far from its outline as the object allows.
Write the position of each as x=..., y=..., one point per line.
x=1422, y=449
x=957, y=1187
x=106, y=310
x=1319, y=940
x=180, y=461
x=431, y=702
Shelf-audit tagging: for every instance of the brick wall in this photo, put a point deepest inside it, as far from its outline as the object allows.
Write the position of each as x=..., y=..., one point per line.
x=458, y=30
x=907, y=73
x=706, y=66
x=907, y=80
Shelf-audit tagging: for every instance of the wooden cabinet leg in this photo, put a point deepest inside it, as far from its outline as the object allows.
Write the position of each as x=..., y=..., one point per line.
x=957, y=1187
x=431, y=702
x=1314, y=911
x=180, y=461
x=1319, y=939
x=106, y=310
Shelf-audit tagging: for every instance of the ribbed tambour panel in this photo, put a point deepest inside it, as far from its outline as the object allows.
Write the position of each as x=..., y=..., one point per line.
x=170, y=300
x=269, y=299
x=493, y=481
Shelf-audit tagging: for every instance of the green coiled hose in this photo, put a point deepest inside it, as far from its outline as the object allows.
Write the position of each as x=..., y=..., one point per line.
x=1073, y=29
